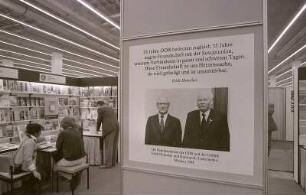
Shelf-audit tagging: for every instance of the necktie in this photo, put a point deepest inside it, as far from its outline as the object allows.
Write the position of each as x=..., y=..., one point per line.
x=203, y=122
x=162, y=123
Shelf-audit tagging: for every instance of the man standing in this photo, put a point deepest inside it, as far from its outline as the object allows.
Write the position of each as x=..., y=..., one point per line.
x=110, y=133
x=162, y=128
x=271, y=126
x=206, y=128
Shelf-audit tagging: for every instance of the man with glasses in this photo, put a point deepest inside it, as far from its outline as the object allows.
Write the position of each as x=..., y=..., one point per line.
x=162, y=128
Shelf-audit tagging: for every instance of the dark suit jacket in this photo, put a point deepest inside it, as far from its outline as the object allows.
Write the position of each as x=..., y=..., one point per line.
x=108, y=118
x=214, y=137
x=171, y=135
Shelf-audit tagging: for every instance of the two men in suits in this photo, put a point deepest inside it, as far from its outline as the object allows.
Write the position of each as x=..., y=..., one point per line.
x=206, y=128
x=162, y=128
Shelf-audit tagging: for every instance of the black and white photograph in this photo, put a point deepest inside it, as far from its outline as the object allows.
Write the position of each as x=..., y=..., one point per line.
x=198, y=114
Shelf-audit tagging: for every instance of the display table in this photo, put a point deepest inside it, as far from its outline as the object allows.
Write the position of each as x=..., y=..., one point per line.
x=92, y=147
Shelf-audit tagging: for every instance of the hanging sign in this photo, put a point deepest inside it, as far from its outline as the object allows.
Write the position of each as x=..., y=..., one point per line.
x=49, y=78
x=8, y=73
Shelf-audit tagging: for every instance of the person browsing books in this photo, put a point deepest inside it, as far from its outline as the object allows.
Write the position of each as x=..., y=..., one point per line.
x=110, y=132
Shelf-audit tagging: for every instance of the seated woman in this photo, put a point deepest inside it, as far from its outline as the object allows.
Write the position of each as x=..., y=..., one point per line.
x=70, y=147
x=25, y=157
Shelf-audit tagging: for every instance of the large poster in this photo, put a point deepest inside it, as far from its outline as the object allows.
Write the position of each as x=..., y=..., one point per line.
x=191, y=104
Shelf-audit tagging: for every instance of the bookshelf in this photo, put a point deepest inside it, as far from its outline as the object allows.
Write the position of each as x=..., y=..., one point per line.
x=89, y=96
x=23, y=102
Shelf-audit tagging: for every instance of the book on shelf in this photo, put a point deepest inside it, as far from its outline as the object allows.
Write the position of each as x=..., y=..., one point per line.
x=89, y=125
x=114, y=91
x=7, y=131
x=5, y=116
x=63, y=101
x=73, y=101
x=52, y=125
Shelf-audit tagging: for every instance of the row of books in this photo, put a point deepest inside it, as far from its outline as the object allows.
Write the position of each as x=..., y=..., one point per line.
x=90, y=125
x=71, y=101
x=7, y=131
x=30, y=101
x=20, y=114
x=75, y=112
x=99, y=91
x=112, y=102
x=87, y=113
x=8, y=85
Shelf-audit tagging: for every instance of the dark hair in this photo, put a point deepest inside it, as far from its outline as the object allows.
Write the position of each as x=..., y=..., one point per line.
x=33, y=128
x=101, y=103
x=67, y=122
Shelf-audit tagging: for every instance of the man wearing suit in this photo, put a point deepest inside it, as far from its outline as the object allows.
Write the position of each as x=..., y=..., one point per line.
x=110, y=133
x=162, y=128
x=206, y=128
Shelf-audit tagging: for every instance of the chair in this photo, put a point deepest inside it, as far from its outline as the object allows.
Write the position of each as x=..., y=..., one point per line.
x=73, y=170
x=7, y=175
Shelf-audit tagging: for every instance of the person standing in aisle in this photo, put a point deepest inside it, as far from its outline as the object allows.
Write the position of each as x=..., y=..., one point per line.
x=271, y=126
x=110, y=132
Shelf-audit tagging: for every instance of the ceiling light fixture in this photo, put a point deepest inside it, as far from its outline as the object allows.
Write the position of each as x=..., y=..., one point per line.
x=86, y=69
x=84, y=64
x=59, y=37
x=21, y=47
x=34, y=57
x=69, y=24
x=287, y=27
x=20, y=66
x=289, y=78
x=278, y=65
x=82, y=72
x=283, y=73
x=98, y=13
x=285, y=84
x=40, y=64
x=57, y=48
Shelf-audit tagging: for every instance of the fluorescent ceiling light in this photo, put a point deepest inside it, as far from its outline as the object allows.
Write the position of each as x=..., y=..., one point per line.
x=19, y=65
x=40, y=64
x=84, y=64
x=21, y=47
x=57, y=48
x=283, y=73
x=303, y=63
x=278, y=65
x=98, y=13
x=34, y=67
x=81, y=72
x=69, y=24
x=289, y=78
x=284, y=84
x=287, y=27
x=34, y=57
x=59, y=37
x=86, y=69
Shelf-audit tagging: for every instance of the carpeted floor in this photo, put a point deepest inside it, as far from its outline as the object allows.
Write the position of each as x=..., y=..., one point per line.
x=102, y=182
x=281, y=156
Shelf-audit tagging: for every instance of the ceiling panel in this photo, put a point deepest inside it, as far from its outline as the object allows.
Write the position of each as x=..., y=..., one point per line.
x=26, y=31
